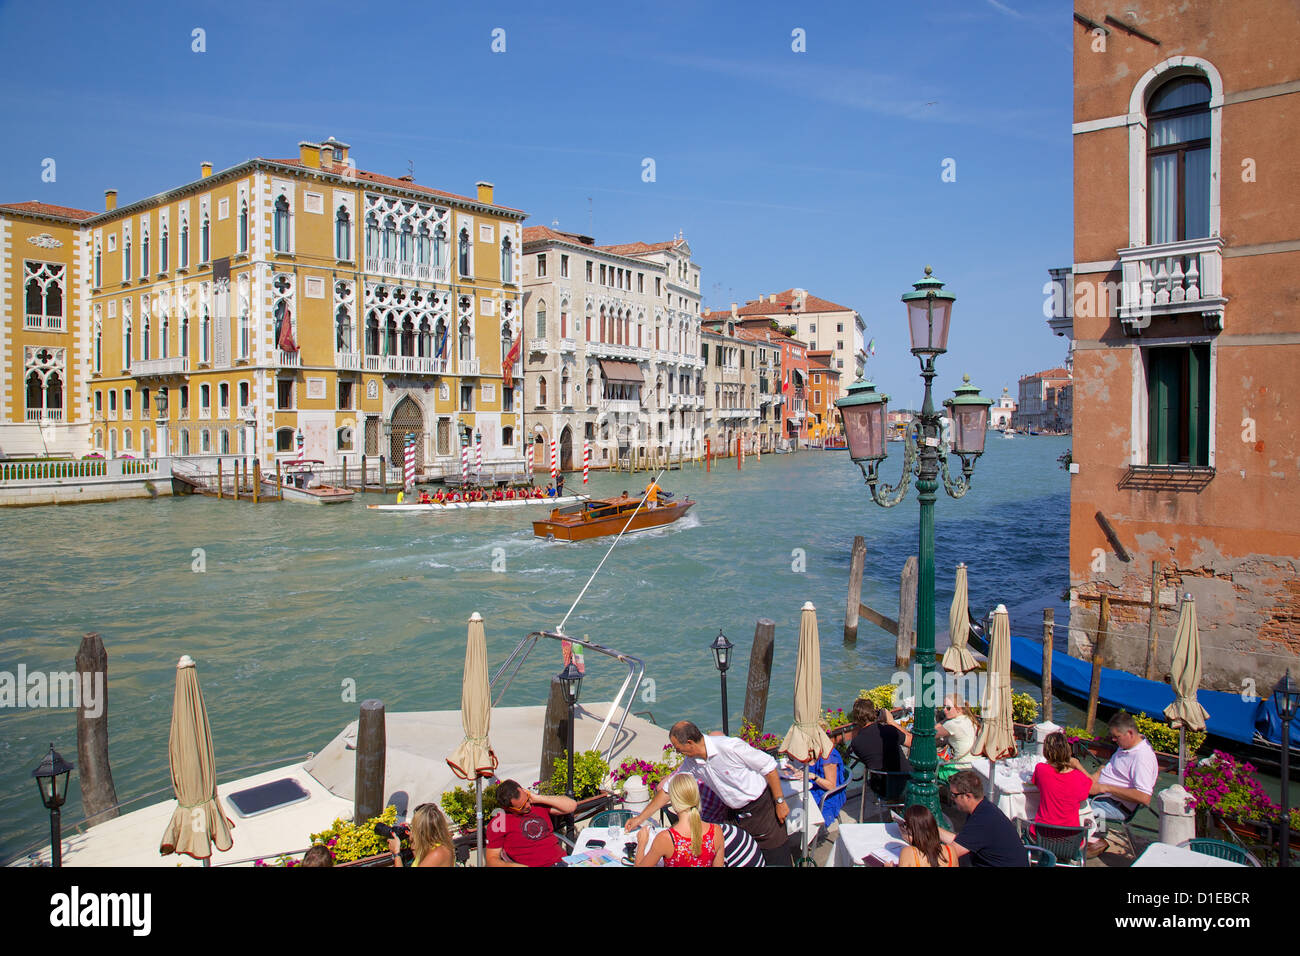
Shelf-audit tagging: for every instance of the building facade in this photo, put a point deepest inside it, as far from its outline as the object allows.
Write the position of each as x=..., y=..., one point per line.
x=825, y=389
x=1002, y=411
x=1181, y=307
x=1045, y=401
x=301, y=307
x=612, y=348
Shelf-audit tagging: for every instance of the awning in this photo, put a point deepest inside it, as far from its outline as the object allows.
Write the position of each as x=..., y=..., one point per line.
x=628, y=372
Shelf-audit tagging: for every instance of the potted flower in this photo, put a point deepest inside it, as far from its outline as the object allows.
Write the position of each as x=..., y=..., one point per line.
x=750, y=734
x=651, y=772
x=1024, y=715
x=1227, y=791
x=590, y=773
x=352, y=844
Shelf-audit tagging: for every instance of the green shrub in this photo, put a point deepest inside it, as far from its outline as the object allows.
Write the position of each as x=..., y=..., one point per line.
x=1165, y=738
x=749, y=733
x=351, y=841
x=1078, y=733
x=589, y=774
x=881, y=696
x=458, y=804
x=1024, y=709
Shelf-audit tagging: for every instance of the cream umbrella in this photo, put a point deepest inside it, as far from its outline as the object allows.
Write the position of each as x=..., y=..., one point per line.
x=806, y=741
x=996, y=738
x=197, y=823
x=1186, y=711
x=474, y=757
x=957, y=659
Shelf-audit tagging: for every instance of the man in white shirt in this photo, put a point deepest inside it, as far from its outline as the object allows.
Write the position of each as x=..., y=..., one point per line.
x=743, y=778
x=1128, y=779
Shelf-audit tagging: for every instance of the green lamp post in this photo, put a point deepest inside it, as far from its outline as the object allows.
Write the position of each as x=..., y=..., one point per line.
x=865, y=417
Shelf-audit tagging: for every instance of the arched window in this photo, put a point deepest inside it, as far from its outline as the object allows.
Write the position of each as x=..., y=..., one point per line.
x=99, y=264
x=390, y=336
x=243, y=222
x=225, y=441
x=35, y=303
x=205, y=237
x=390, y=239
x=185, y=242
x=185, y=441
x=144, y=331
x=372, y=237
x=541, y=391
x=406, y=248
x=144, y=255
x=280, y=225
x=440, y=336
x=425, y=339
x=507, y=342
x=99, y=347
x=1178, y=161
x=162, y=250
x=588, y=317
x=564, y=387
x=408, y=337
x=507, y=437
x=466, y=341
x=372, y=334
x=343, y=330
x=185, y=332
x=205, y=334
x=541, y=321
x=591, y=387
x=464, y=252
x=164, y=326
x=422, y=245
x=126, y=258
x=439, y=247
x=343, y=234
x=246, y=332
x=507, y=261
x=35, y=394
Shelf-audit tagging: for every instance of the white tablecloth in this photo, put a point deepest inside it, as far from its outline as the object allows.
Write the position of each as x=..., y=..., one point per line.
x=856, y=840
x=602, y=833
x=1165, y=854
x=793, y=790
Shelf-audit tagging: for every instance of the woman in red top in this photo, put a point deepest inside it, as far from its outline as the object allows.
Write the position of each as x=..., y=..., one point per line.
x=690, y=841
x=1061, y=787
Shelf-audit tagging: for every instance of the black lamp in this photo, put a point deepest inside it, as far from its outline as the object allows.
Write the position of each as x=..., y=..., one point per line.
x=1285, y=697
x=571, y=683
x=721, y=648
x=52, y=780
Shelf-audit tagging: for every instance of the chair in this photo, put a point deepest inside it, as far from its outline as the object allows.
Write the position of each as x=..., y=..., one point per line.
x=1040, y=857
x=1066, y=844
x=610, y=818
x=1221, y=850
x=888, y=786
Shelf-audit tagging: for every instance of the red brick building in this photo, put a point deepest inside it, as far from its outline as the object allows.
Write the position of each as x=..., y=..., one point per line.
x=1183, y=309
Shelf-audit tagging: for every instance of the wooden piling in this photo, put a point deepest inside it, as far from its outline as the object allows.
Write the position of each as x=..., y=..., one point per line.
x=235, y=466
x=708, y=448
x=555, y=731
x=257, y=481
x=760, y=672
x=344, y=483
x=98, y=795
x=383, y=476
x=906, y=613
x=856, y=561
x=1048, y=619
x=279, y=482
x=372, y=753
x=1153, y=637
x=363, y=472
x=219, y=478
x=1103, y=625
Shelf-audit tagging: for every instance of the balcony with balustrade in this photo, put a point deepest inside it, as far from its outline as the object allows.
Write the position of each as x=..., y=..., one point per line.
x=568, y=345
x=405, y=269
x=43, y=323
x=1172, y=278
x=469, y=366
x=38, y=415
x=176, y=365
x=348, y=360
x=287, y=359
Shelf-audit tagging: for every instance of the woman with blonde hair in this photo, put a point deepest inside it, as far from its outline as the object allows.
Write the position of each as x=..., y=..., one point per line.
x=960, y=727
x=690, y=841
x=430, y=838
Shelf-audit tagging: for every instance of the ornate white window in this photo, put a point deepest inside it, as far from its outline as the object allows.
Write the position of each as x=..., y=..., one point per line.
x=43, y=375
x=245, y=320
x=280, y=224
x=205, y=238
x=465, y=253
x=507, y=261
x=99, y=261
x=43, y=292
x=184, y=260
x=242, y=225
x=144, y=247
x=126, y=252
x=541, y=321
x=343, y=234
x=99, y=340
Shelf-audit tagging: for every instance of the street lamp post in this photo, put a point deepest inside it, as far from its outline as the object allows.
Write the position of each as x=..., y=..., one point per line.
x=52, y=780
x=1286, y=695
x=571, y=683
x=721, y=648
x=865, y=414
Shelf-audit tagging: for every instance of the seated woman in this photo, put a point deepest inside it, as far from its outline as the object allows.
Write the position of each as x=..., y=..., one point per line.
x=690, y=841
x=959, y=728
x=1062, y=787
x=430, y=839
x=879, y=740
x=825, y=774
x=924, y=848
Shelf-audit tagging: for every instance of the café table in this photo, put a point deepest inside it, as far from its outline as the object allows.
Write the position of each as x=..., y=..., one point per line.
x=856, y=840
x=1009, y=785
x=792, y=789
x=583, y=845
x=1166, y=854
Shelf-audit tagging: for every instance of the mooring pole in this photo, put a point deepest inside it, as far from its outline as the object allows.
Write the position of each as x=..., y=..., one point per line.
x=1048, y=616
x=856, y=561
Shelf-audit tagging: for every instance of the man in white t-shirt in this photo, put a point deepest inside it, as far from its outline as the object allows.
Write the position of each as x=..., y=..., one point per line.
x=1127, y=781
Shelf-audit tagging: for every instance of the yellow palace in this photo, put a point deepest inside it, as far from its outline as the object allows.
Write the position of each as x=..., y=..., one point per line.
x=279, y=308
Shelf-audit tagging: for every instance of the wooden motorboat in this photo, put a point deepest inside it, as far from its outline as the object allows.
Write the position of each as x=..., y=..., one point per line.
x=604, y=516
x=299, y=482
x=463, y=505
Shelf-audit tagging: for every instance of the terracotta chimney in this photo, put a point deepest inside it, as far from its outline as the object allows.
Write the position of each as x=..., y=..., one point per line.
x=110, y=200
x=485, y=190
x=309, y=154
x=205, y=170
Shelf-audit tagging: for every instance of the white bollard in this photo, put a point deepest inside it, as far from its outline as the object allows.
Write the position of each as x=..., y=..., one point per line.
x=636, y=797
x=1177, y=822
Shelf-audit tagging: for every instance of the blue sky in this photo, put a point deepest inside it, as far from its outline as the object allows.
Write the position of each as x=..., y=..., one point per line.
x=820, y=169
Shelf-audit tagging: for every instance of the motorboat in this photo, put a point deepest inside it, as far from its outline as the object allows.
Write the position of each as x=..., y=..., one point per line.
x=605, y=516
x=489, y=505
x=299, y=482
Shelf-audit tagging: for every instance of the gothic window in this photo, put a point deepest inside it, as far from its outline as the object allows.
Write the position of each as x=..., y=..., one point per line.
x=372, y=237
x=541, y=321
x=280, y=225
x=99, y=346
x=144, y=329
x=541, y=391
x=564, y=387
x=591, y=387
x=466, y=341
x=390, y=336
x=126, y=258
x=343, y=330
x=507, y=261
x=425, y=339
x=422, y=245
x=372, y=334
x=343, y=234
x=205, y=237
x=408, y=337
x=243, y=223
x=164, y=326
x=205, y=334
x=99, y=264
x=464, y=252
x=406, y=249
x=439, y=247
x=390, y=239
x=144, y=255
x=185, y=243
x=440, y=335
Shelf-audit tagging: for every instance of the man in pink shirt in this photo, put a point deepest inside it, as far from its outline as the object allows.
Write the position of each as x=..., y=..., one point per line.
x=1127, y=781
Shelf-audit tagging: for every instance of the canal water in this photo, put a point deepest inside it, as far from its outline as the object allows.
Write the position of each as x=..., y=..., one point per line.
x=295, y=613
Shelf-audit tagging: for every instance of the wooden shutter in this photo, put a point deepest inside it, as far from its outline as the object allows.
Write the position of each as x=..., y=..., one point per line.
x=1163, y=392
x=1198, y=401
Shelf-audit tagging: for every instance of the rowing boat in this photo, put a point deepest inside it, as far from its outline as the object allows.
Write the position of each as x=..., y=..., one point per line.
x=460, y=505
x=604, y=516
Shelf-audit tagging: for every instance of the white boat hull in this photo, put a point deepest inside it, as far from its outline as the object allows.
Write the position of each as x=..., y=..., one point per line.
x=463, y=505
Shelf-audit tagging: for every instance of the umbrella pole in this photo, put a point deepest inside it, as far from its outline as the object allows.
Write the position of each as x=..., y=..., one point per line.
x=1182, y=752
x=805, y=811
x=478, y=814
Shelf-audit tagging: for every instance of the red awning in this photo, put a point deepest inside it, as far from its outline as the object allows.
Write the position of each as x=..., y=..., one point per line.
x=628, y=372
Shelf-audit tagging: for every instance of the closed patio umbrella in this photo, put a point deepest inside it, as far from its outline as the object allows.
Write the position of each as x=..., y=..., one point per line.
x=1186, y=711
x=474, y=757
x=957, y=658
x=197, y=823
x=806, y=741
x=996, y=737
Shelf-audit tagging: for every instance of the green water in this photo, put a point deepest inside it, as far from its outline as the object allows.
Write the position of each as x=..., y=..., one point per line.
x=297, y=600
